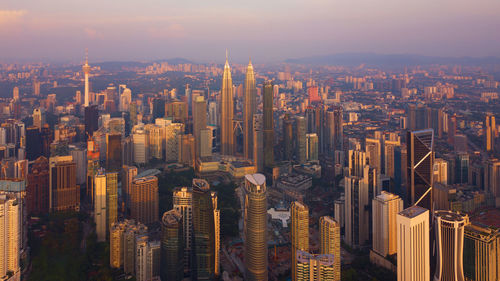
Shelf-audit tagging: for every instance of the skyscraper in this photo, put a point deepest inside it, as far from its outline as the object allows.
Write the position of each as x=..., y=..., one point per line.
x=215, y=208
x=38, y=118
x=312, y=147
x=10, y=235
x=449, y=245
x=255, y=227
x=172, y=246
x=111, y=199
x=258, y=143
x=299, y=232
x=420, y=168
x=373, y=153
x=144, y=199
x=182, y=201
x=385, y=208
x=489, y=132
x=113, y=152
x=329, y=233
x=86, y=71
x=300, y=139
x=199, y=121
x=203, y=267
x=357, y=220
x=64, y=192
x=413, y=244
x=37, y=190
x=226, y=123
x=100, y=205
x=481, y=253
x=33, y=143
x=249, y=109
x=91, y=120
x=268, y=125
x=315, y=267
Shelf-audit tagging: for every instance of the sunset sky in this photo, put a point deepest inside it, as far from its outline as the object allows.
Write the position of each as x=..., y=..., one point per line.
x=270, y=30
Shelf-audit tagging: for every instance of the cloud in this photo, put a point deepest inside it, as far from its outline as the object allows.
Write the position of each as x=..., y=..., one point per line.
x=174, y=30
x=11, y=16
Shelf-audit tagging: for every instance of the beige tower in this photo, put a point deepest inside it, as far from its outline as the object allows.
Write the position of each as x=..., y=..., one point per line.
x=226, y=124
x=329, y=233
x=299, y=232
x=144, y=199
x=385, y=208
x=86, y=71
x=255, y=227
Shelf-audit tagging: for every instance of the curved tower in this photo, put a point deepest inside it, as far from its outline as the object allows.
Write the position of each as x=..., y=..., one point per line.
x=86, y=71
x=255, y=227
x=249, y=110
x=226, y=124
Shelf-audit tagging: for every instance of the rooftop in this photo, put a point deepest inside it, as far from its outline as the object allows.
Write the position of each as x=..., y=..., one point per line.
x=413, y=211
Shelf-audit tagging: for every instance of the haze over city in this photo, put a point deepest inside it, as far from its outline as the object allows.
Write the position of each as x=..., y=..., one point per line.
x=267, y=31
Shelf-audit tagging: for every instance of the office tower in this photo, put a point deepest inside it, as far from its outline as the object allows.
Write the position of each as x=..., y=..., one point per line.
x=36, y=87
x=91, y=120
x=155, y=139
x=141, y=262
x=357, y=161
x=385, y=208
x=420, y=146
x=182, y=201
x=268, y=122
x=10, y=235
x=122, y=244
x=213, y=113
x=226, y=123
x=216, y=210
x=452, y=128
x=390, y=167
x=86, y=71
x=111, y=199
x=440, y=171
x=373, y=153
x=144, y=199
x=47, y=137
x=481, y=253
x=449, y=245
x=125, y=100
x=357, y=226
x=116, y=245
x=129, y=173
x=130, y=234
x=203, y=267
x=153, y=258
x=334, y=130
x=172, y=143
x=255, y=227
x=93, y=156
x=299, y=232
x=79, y=154
x=113, y=152
x=249, y=109
x=38, y=118
x=492, y=178
x=186, y=150
x=462, y=168
x=329, y=233
x=489, y=132
x=199, y=121
x=287, y=138
x=315, y=267
x=413, y=258
x=172, y=251
x=140, y=145
x=15, y=93
x=100, y=205
x=258, y=143
x=37, y=190
x=300, y=138
x=311, y=147
x=64, y=192
x=33, y=143
x=158, y=106
x=206, y=140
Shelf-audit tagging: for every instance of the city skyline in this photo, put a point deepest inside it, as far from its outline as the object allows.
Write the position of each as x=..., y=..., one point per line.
x=157, y=30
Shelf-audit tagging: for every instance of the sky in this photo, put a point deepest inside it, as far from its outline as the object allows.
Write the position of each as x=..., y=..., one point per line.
x=265, y=30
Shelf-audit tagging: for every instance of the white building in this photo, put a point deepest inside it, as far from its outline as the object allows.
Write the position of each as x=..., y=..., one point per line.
x=413, y=244
x=100, y=205
x=385, y=208
x=140, y=145
x=10, y=236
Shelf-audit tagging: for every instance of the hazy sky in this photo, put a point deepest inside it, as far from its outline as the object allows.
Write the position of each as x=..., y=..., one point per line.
x=266, y=30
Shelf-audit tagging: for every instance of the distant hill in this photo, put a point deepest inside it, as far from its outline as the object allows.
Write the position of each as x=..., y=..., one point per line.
x=175, y=61
x=353, y=59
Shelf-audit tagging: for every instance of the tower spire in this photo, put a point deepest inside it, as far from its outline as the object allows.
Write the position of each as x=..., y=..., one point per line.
x=86, y=55
x=227, y=56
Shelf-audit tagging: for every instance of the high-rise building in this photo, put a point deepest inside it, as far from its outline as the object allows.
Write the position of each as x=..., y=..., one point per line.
x=489, y=132
x=300, y=139
x=440, y=171
x=315, y=267
x=385, y=208
x=10, y=236
x=420, y=145
x=329, y=233
x=91, y=120
x=100, y=205
x=268, y=121
x=312, y=147
x=413, y=247
x=37, y=190
x=64, y=192
x=86, y=71
x=113, y=152
x=249, y=109
x=182, y=201
x=357, y=226
x=140, y=145
x=203, y=267
x=33, y=143
x=258, y=143
x=227, y=111
x=287, y=138
x=199, y=121
x=38, y=118
x=373, y=153
x=255, y=227
x=299, y=232
x=172, y=251
x=111, y=199
x=481, y=253
x=492, y=179
x=141, y=261
x=144, y=199
x=449, y=245
x=215, y=208
x=125, y=100
x=186, y=150
x=122, y=244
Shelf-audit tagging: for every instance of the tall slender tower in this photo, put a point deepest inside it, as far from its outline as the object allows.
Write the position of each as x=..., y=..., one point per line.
x=226, y=124
x=268, y=125
x=249, y=110
x=489, y=133
x=255, y=227
x=419, y=168
x=299, y=228
x=86, y=71
x=329, y=233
